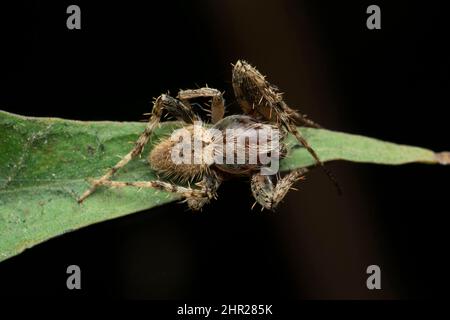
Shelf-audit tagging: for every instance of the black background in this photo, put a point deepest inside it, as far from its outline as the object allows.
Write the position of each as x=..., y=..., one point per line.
x=392, y=84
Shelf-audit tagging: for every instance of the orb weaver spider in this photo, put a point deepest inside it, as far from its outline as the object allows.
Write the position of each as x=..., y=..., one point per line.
x=263, y=108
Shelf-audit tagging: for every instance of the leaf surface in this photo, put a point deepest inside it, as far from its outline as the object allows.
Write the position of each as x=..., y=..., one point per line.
x=45, y=164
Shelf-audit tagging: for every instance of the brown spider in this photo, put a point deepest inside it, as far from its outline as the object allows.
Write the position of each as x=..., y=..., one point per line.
x=264, y=109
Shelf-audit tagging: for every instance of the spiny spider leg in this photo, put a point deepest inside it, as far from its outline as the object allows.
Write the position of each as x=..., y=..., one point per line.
x=260, y=99
x=180, y=109
x=195, y=197
x=292, y=128
x=303, y=119
x=162, y=102
x=217, y=101
x=268, y=195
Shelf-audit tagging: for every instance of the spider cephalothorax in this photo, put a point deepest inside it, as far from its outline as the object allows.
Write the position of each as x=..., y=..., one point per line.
x=238, y=145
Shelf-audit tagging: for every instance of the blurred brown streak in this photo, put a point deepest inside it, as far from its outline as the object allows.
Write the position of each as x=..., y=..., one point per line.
x=333, y=240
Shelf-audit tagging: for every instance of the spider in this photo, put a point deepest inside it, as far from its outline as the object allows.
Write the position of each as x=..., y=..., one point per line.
x=263, y=108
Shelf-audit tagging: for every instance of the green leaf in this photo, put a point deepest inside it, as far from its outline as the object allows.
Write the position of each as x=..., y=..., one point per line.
x=45, y=164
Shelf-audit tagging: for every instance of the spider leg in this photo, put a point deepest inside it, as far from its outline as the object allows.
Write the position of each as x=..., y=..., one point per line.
x=217, y=101
x=196, y=198
x=303, y=119
x=269, y=195
x=181, y=110
x=162, y=102
x=260, y=99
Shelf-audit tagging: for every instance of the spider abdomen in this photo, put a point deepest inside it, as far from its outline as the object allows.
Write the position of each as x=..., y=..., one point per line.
x=248, y=144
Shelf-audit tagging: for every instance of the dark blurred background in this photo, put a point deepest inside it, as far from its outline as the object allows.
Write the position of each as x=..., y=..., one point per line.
x=392, y=84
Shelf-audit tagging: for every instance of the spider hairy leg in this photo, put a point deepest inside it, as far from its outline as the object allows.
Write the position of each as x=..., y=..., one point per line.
x=182, y=111
x=263, y=100
x=196, y=198
x=163, y=101
x=217, y=100
x=294, y=131
x=303, y=120
x=269, y=195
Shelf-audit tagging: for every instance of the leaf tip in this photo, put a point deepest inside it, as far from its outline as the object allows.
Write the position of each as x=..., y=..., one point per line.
x=442, y=157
